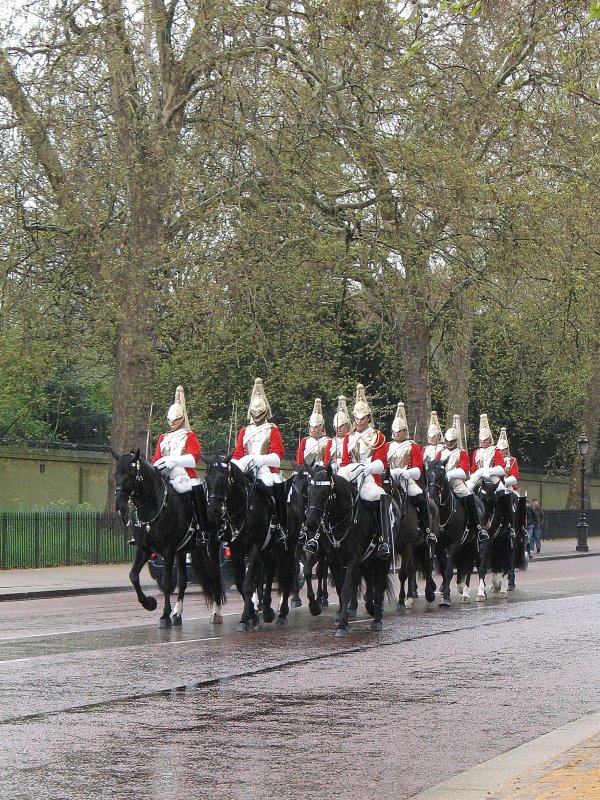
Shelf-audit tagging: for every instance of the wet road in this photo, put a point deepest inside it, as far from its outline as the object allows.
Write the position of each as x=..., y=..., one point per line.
x=97, y=702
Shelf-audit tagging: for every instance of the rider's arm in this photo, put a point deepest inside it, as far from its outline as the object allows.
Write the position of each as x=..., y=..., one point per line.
x=158, y=451
x=239, y=446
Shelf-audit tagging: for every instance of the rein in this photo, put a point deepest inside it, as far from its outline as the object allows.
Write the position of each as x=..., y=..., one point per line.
x=131, y=497
x=326, y=526
x=225, y=515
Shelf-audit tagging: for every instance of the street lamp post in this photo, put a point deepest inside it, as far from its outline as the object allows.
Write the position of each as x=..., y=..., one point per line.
x=582, y=526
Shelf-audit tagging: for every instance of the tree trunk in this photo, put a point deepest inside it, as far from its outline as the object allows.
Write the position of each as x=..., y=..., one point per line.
x=135, y=357
x=459, y=366
x=590, y=420
x=414, y=344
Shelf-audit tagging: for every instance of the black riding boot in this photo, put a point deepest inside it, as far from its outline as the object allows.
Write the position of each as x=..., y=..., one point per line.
x=473, y=518
x=507, y=512
x=277, y=495
x=385, y=528
x=423, y=510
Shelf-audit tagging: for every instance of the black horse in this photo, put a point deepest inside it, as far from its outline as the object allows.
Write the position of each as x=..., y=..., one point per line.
x=241, y=505
x=457, y=544
x=297, y=504
x=348, y=540
x=162, y=521
x=415, y=554
x=505, y=550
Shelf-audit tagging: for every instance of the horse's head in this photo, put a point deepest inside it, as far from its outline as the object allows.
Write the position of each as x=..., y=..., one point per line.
x=126, y=480
x=487, y=495
x=217, y=478
x=437, y=482
x=320, y=489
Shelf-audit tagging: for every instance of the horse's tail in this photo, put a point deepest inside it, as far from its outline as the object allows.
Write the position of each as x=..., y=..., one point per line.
x=422, y=560
x=205, y=560
x=389, y=588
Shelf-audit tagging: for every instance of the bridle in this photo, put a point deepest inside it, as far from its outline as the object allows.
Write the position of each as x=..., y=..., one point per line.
x=323, y=512
x=227, y=517
x=132, y=496
x=440, y=487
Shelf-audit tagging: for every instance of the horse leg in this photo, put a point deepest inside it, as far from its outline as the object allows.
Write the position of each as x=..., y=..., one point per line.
x=249, y=618
x=378, y=590
x=353, y=604
x=322, y=574
x=140, y=557
x=267, y=607
x=296, y=601
x=448, y=573
x=347, y=589
x=503, y=593
x=287, y=577
x=176, y=616
x=402, y=576
x=314, y=606
x=216, y=615
x=165, y=618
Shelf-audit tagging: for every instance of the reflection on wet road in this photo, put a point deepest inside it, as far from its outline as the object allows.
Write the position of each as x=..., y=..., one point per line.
x=94, y=707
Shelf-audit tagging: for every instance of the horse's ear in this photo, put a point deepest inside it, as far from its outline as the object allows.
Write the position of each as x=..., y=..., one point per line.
x=204, y=458
x=329, y=469
x=137, y=453
x=116, y=456
x=228, y=458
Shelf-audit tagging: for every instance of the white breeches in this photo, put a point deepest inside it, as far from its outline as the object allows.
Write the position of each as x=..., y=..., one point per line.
x=265, y=475
x=411, y=488
x=369, y=490
x=459, y=487
x=477, y=477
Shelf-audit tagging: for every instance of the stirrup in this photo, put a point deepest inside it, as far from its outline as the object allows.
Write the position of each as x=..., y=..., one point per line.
x=482, y=535
x=512, y=534
x=131, y=541
x=383, y=550
x=312, y=546
x=431, y=538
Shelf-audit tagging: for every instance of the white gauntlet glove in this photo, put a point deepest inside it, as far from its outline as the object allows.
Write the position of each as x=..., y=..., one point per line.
x=169, y=462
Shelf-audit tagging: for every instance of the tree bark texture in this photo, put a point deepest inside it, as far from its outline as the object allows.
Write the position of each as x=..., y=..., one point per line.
x=590, y=420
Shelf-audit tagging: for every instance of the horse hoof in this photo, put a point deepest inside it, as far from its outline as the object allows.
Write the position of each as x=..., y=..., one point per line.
x=351, y=613
x=241, y=627
x=216, y=618
x=481, y=598
x=177, y=620
x=150, y=603
x=282, y=622
x=409, y=602
x=503, y=595
x=314, y=607
x=376, y=626
x=430, y=596
x=296, y=602
x=324, y=603
x=511, y=587
x=342, y=632
x=370, y=609
x=401, y=608
x=268, y=615
x=444, y=603
x=338, y=616
x=164, y=622
x=253, y=622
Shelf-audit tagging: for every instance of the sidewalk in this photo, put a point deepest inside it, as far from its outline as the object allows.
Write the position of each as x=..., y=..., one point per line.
x=27, y=584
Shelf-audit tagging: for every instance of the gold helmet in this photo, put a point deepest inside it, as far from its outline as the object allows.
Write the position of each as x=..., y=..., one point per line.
x=502, y=443
x=178, y=409
x=485, y=432
x=400, y=423
x=259, y=405
x=361, y=406
x=316, y=418
x=342, y=417
x=434, y=428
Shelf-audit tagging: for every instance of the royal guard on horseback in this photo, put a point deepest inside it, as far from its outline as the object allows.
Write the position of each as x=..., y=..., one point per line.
x=259, y=449
x=313, y=447
x=511, y=466
x=178, y=452
x=456, y=460
x=405, y=460
x=487, y=463
x=364, y=460
x=342, y=427
x=434, y=444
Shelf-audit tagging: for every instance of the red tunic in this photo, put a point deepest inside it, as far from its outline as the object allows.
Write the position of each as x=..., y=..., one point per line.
x=463, y=462
x=302, y=447
x=192, y=447
x=378, y=453
x=498, y=460
x=275, y=446
x=512, y=468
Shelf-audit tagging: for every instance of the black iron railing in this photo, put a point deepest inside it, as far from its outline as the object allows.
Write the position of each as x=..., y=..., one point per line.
x=60, y=538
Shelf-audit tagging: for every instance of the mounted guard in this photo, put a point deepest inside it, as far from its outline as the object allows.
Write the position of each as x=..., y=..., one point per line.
x=487, y=463
x=434, y=439
x=511, y=466
x=405, y=460
x=456, y=460
x=259, y=449
x=312, y=448
x=342, y=427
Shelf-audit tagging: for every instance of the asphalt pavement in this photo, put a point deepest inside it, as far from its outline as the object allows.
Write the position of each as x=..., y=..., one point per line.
x=564, y=764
